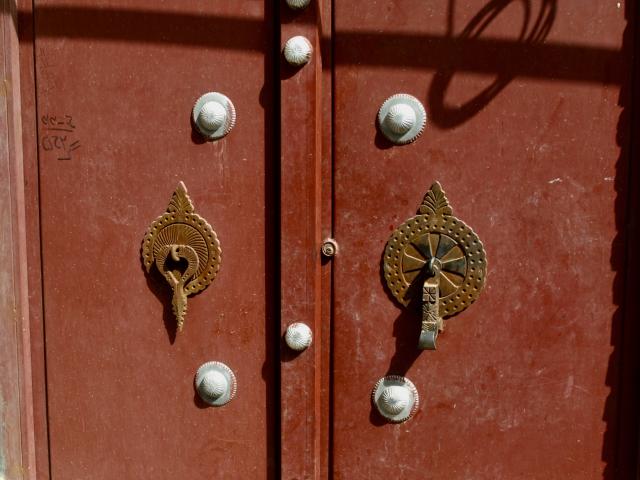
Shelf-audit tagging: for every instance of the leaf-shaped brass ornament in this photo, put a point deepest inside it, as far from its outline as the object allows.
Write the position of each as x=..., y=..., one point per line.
x=185, y=250
x=435, y=202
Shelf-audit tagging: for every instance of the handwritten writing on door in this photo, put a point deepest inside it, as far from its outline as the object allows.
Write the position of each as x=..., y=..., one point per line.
x=59, y=135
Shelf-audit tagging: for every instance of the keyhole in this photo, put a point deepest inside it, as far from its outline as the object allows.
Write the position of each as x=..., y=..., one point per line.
x=177, y=267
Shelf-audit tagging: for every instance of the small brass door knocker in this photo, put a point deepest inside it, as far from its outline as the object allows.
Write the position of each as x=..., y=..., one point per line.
x=437, y=261
x=185, y=250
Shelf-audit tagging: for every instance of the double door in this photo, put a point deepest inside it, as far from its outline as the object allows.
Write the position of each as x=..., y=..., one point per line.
x=528, y=130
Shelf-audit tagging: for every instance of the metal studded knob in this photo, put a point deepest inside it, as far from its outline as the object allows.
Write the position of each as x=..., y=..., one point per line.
x=298, y=4
x=297, y=51
x=402, y=118
x=396, y=398
x=329, y=248
x=298, y=337
x=214, y=115
x=215, y=383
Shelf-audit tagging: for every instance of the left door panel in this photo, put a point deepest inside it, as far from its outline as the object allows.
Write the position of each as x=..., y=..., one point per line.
x=116, y=82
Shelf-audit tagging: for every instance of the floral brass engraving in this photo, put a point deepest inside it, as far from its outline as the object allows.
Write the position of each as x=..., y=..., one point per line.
x=436, y=260
x=185, y=250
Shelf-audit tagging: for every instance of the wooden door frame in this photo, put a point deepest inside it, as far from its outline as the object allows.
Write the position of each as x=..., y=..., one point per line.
x=25, y=449
x=20, y=357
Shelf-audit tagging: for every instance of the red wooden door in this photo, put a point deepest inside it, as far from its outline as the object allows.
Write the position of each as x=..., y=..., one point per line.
x=528, y=133
x=115, y=88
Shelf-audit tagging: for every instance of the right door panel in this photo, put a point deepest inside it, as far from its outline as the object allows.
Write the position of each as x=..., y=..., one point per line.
x=525, y=136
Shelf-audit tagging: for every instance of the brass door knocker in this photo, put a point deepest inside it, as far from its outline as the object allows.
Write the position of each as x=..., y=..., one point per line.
x=436, y=260
x=184, y=249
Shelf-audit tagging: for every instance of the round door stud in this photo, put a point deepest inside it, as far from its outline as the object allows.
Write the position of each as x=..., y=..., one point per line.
x=298, y=4
x=329, y=248
x=298, y=337
x=401, y=118
x=215, y=383
x=395, y=398
x=297, y=51
x=214, y=115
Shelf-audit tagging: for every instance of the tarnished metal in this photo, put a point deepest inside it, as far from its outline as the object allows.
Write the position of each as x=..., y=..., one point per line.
x=185, y=250
x=329, y=248
x=431, y=320
x=437, y=260
x=396, y=398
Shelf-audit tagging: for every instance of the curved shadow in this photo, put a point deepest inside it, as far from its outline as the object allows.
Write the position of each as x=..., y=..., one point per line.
x=196, y=137
x=380, y=141
x=199, y=403
x=447, y=116
x=286, y=353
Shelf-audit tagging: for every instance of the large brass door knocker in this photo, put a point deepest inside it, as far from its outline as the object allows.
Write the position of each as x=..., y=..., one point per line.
x=185, y=250
x=434, y=259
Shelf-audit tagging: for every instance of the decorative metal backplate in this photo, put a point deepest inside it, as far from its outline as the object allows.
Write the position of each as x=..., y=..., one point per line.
x=184, y=249
x=435, y=241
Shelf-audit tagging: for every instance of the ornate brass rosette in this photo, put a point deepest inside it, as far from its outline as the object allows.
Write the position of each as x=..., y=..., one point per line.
x=435, y=237
x=181, y=235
